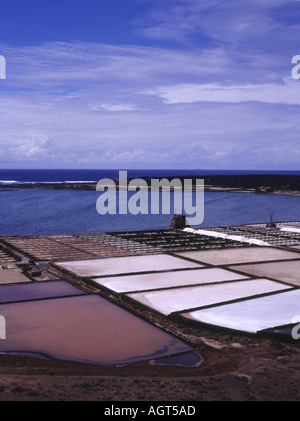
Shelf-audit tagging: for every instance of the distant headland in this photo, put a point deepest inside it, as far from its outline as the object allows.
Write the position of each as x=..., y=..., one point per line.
x=248, y=183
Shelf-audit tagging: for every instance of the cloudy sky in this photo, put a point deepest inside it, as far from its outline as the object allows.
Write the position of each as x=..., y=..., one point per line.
x=150, y=84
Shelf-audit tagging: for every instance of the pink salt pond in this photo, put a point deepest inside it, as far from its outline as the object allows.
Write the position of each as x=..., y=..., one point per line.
x=87, y=329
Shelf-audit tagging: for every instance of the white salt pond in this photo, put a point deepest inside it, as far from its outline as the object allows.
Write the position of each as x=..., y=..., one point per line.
x=128, y=264
x=122, y=284
x=252, y=315
x=240, y=255
x=179, y=299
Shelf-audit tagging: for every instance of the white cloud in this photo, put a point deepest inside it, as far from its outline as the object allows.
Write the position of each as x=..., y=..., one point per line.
x=216, y=22
x=286, y=93
x=204, y=105
x=114, y=107
x=38, y=148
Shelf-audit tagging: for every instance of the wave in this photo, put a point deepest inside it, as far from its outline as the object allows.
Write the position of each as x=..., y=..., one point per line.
x=9, y=182
x=80, y=181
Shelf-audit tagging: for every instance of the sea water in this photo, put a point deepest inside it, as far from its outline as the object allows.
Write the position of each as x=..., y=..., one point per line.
x=46, y=211
x=13, y=176
x=50, y=212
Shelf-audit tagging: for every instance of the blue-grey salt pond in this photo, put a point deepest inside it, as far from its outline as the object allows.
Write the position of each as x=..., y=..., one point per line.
x=34, y=291
x=188, y=359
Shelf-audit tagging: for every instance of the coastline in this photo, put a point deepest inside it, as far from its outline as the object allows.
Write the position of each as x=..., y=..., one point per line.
x=256, y=184
x=236, y=367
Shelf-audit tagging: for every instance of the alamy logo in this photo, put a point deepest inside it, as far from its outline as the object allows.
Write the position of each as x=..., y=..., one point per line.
x=296, y=329
x=188, y=198
x=2, y=327
x=2, y=67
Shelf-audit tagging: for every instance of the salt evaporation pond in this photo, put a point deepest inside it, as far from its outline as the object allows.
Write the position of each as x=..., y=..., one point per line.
x=35, y=291
x=86, y=329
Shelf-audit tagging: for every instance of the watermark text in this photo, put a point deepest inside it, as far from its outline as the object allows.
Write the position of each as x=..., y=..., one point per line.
x=296, y=69
x=2, y=67
x=296, y=329
x=2, y=327
x=153, y=198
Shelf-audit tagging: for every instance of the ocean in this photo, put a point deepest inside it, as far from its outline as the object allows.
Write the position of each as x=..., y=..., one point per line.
x=51, y=212
x=8, y=177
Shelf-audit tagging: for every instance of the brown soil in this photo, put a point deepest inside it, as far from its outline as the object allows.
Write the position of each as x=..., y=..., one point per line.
x=234, y=369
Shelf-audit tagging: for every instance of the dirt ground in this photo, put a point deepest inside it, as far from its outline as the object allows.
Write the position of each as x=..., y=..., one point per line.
x=234, y=368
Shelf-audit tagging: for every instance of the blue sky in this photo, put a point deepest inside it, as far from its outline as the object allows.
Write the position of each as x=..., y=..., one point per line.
x=150, y=84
